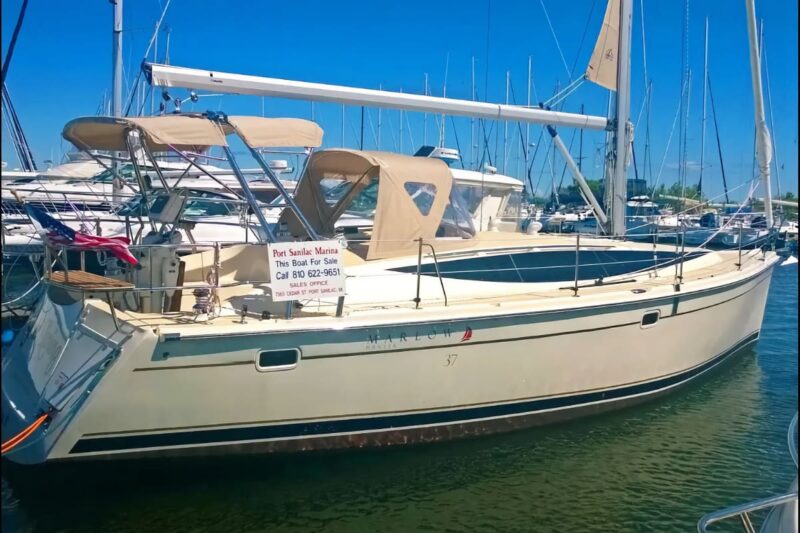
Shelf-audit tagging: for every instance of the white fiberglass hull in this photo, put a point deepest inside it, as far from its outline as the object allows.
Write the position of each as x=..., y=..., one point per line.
x=390, y=378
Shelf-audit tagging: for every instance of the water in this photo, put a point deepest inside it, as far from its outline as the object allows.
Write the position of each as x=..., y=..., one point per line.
x=656, y=467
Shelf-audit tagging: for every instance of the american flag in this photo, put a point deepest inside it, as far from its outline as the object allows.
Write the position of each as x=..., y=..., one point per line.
x=59, y=233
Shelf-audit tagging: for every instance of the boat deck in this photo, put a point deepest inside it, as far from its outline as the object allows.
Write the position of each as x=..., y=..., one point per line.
x=697, y=274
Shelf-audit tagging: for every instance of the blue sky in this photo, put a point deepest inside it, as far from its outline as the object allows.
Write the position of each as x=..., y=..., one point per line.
x=62, y=67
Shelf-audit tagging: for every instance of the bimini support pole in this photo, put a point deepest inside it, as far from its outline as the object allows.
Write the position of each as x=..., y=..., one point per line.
x=579, y=179
x=221, y=118
x=248, y=194
x=282, y=191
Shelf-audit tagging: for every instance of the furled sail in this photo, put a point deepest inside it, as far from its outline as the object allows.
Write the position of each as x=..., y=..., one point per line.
x=602, y=68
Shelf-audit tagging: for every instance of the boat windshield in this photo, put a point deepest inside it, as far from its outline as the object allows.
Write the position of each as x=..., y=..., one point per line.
x=473, y=194
x=362, y=205
x=456, y=220
x=126, y=171
x=199, y=204
x=513, y=206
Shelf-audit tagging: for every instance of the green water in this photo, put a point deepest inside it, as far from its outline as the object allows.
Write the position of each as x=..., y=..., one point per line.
x=656, y=467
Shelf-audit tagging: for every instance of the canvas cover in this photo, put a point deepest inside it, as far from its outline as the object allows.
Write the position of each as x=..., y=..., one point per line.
x=602, y=68
x=398, y=220
x=184, y=132
x=260, y=132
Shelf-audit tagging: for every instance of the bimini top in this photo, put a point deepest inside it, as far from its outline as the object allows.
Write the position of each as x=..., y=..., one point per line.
x=191, y=132
x=260, y=132
x=412, y=194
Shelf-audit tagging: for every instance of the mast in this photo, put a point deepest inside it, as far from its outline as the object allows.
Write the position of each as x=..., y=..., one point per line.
x=116, y=80
x=380, y=87
x=116, y=83
x=622, y=130
x=580, y=148
x=401, y=129
x=444, y=95
x=528, y=126
x=13, y=42
x=763, y=141
x=361, y=142
x=505, y=124
x=703, y=129
x=472, y=147
x=425, y=117
x=343, y=143
x=155, y=58
x=21, y=146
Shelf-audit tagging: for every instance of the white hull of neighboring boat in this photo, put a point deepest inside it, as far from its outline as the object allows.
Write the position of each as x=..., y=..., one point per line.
x=782, y=519
x=224, y=229
x=373, y=378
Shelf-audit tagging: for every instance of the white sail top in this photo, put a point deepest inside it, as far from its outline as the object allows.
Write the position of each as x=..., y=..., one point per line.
x=602, y=68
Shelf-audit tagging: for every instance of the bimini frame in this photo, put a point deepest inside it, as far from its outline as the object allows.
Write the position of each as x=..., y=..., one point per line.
x=196, y=133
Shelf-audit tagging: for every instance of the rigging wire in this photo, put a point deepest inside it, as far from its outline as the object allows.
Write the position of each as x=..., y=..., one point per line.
x=13, y=43
x=583, y=37
x=558, y=45
x=719, y=145
x=146, y=53
x=669, y=141
x=772, y=127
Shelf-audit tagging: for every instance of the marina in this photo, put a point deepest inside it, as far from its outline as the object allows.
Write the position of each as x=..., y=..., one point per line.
x=229, y=290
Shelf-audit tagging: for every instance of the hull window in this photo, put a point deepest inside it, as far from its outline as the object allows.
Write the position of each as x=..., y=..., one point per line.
x=650, y=319
x=269, y=360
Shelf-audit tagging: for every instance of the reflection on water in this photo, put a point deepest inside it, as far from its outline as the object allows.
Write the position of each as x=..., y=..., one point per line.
x=657, y=466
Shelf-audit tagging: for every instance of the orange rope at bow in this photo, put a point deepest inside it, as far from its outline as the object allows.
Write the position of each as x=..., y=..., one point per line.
x=24, y=434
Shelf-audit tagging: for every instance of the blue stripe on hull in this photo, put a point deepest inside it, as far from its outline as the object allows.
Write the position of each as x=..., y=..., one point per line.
x=390, y=422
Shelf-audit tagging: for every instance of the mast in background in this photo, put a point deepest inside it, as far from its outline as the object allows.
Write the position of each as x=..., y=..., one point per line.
x=21, y=146
x=116, y=88
x=528, y=126
x=703, y=130
x=472, y=146
x=116, y=57
x=505, y=125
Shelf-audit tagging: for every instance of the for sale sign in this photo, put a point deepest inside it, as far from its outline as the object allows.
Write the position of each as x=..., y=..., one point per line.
x=306, y=270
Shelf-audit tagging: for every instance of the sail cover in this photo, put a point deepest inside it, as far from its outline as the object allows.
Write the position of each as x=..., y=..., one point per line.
x=602, y=68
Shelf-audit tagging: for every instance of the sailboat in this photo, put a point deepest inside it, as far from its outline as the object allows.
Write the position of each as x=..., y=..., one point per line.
x=427, y=331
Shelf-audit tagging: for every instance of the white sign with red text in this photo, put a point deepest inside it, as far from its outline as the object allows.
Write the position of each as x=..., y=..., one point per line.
x=306, y=270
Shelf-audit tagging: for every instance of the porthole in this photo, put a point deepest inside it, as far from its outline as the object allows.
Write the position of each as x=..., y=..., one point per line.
x=650, y=318
x=269, y=360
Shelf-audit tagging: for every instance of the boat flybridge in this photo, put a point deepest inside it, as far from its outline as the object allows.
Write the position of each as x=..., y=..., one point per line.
x=427, y=330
